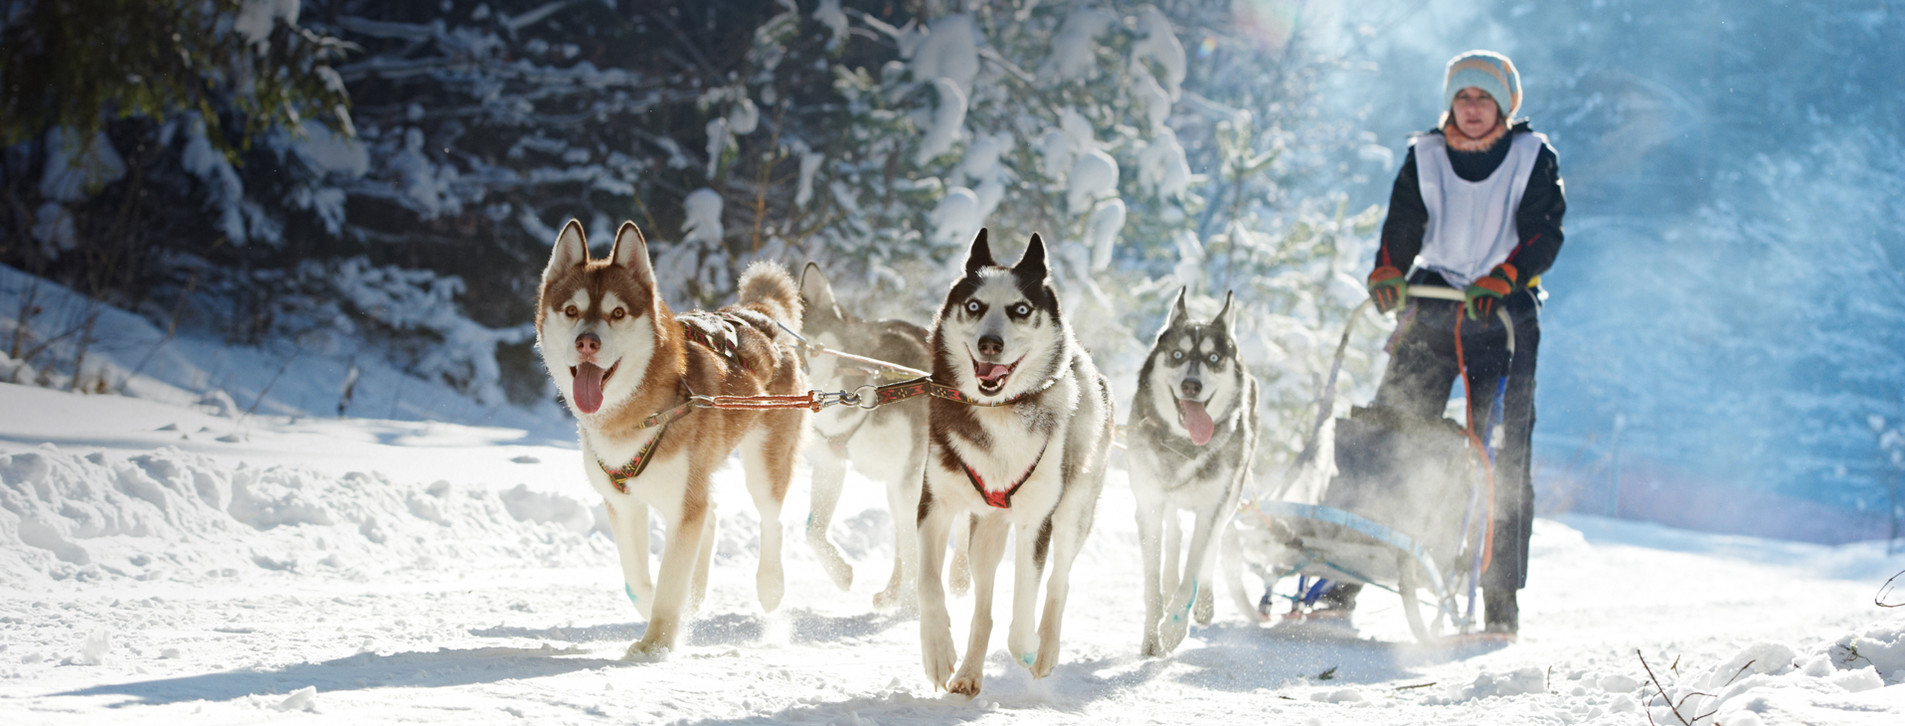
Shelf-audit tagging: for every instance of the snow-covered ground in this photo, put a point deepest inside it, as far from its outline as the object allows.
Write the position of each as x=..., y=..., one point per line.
x=158, y=569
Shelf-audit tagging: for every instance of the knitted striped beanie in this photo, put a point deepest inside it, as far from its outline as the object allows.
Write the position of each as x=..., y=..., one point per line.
x=1489, y=71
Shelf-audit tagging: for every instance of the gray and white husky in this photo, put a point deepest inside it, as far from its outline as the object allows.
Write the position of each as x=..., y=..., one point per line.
x=1024, y=454
x=1192, y=437
x=886, y=444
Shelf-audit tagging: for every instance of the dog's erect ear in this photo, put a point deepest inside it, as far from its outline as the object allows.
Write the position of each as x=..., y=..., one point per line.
x=1178, y=310
x=814, y=288
x=572, y=250
x=981, y=254
x=1033, y=263
x=631, y=251
x=1223, y=317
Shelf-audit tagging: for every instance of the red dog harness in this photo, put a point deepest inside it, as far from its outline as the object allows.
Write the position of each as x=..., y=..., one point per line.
x=1002, y=499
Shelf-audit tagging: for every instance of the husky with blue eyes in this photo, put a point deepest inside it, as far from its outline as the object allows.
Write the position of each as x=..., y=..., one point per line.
x=1192, y=437
x=1018, y=443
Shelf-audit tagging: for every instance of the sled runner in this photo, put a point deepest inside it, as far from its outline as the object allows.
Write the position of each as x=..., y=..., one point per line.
x=1407, y=510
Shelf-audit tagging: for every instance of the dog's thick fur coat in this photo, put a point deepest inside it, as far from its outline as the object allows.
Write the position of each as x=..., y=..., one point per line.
x=619, y=355
x=1031, y=468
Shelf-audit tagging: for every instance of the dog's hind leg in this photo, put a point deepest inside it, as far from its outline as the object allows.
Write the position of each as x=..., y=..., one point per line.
x=1233, y=573
x=768, y=462
x=671, y=590
x=961, y=563
x=988, y=548
x=629, y=524
x=935, y=625
x=902, y=499
x=830, y=471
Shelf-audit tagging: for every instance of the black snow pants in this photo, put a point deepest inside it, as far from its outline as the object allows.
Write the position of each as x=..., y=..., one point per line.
x=1422, y=371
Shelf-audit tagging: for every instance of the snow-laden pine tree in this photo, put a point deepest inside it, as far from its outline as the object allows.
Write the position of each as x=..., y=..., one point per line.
x=1152, y=146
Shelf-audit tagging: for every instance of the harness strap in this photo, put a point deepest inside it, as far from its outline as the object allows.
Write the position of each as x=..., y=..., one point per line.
x=619, y=477
x=1003, y=499
x=895, y=392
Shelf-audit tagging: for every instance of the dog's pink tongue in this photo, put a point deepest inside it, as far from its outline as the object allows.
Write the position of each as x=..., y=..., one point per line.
x=991, y=371
x=1197, y=421
x=588, y=387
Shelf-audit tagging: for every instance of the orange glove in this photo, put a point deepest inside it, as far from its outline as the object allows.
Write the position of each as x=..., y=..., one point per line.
x=1485, y=291
x=1387, y=288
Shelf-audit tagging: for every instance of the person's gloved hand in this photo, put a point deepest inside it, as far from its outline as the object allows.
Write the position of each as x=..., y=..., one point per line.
x=1387, y=288
x=1482, y=294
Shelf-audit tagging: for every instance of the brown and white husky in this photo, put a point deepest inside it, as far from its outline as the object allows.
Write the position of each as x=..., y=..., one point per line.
x=626, y=364
x=1026, y=458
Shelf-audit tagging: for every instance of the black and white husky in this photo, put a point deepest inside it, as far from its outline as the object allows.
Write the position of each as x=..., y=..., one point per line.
x=1024, y=454
x=1192, y=437
x=886, y=444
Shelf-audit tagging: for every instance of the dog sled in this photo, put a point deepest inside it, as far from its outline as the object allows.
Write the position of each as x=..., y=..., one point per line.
x=1407, y=510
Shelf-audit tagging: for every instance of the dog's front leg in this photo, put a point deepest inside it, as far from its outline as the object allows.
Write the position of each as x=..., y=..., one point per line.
x=704, y=561
x=1150, y=524
x=935, y=625
x=629, y=524
x=671, y=591
x=1177, y=616
x=988, y=549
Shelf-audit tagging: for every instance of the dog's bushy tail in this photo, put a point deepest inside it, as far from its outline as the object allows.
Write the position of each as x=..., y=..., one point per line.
x=766, y=287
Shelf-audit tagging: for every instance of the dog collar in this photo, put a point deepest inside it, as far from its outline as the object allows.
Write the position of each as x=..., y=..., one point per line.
x=1002, y=499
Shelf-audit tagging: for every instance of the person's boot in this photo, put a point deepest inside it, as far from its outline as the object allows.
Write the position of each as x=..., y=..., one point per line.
x=1500, y=612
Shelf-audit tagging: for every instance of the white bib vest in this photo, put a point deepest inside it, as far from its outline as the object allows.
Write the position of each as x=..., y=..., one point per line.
x=1471, y=224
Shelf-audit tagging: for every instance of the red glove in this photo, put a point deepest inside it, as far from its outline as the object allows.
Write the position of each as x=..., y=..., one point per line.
x=1485, y=291
x=1387, y=288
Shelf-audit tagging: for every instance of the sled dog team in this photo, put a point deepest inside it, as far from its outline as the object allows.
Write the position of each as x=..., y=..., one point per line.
x=1014, y=439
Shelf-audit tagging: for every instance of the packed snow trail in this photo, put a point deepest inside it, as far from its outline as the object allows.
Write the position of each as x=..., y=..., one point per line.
x=377, y=571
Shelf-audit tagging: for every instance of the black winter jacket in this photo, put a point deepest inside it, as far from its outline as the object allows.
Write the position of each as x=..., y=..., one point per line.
x=1538, y=220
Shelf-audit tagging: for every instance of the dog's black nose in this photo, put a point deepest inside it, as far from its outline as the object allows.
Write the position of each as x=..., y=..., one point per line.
x=588, y=343
x=1191, y=387
x=991, y=345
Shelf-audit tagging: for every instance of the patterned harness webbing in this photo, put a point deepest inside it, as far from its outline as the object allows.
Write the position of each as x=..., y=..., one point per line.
x=895, y=392
x=1002, y=499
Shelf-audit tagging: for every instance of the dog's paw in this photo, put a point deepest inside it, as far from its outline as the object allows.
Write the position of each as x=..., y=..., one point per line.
x=936, y=652
x=1151, y=648
x=1047, y=659
x=1206, y=607
x=967, y=684
x=647, y=651
x=1022, y=643
x=903, y=599
x=1172, y=631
